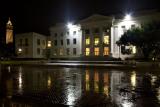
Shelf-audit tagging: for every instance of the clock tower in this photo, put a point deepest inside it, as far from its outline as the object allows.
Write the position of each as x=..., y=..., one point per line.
x=9, y=32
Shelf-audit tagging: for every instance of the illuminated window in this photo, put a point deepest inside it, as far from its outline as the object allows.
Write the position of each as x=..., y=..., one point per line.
x=106, y=40
x=96, y=41
x=96, y=51
x=106, y=51
x=96, y=81
x=87, y=51
x=134, y=49
x=49, y=44
x=61, y=51
x=87, y=80
x=87, y=41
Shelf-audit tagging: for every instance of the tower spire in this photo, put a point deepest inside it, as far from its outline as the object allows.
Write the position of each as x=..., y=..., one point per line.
x=9, y=31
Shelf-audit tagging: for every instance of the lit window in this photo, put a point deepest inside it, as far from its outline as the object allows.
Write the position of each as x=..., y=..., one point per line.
x=96, y=51
x=87, y=51
x=96, y=41
x=134, y=50
x=106, y=39
x=49, y=44
x=106, y=51
x=61, y=51
x=87, y=41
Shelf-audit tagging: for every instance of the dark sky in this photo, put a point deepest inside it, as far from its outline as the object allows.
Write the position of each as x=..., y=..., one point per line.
x=39, y=15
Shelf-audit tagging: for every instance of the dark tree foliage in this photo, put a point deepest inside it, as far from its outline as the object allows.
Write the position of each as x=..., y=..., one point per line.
x=146, y=38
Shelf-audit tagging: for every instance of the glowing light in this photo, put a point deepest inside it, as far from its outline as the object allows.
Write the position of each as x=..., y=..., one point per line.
x=19, y=50
x=128, y=17
x=49, y=44
x=133, y=79
x=49, y=82
x=134, y=49
x=69, y=25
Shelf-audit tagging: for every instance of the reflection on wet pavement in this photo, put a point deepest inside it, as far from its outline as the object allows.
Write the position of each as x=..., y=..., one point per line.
x=23, y=86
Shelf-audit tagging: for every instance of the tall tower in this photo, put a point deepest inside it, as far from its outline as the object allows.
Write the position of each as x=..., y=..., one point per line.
x=9, y=32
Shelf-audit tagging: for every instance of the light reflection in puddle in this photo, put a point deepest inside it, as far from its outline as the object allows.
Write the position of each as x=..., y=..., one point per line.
x=69, y=85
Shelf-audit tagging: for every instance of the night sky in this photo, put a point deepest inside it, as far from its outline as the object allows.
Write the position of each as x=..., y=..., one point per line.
x=39, y=15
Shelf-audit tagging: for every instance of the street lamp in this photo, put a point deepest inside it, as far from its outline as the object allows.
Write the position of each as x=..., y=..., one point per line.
x=69, y=25
x=128, y=17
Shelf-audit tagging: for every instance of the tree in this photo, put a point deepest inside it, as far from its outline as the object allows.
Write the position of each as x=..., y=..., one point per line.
x=146, y=38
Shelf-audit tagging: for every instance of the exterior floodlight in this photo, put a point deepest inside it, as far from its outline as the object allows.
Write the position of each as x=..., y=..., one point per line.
x=128, y=17
x=69, y=25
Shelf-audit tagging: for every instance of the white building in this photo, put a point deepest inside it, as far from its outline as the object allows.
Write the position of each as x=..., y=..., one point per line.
x=30, y=45
x=121, y=25
x=96, y=36
x=66, y=41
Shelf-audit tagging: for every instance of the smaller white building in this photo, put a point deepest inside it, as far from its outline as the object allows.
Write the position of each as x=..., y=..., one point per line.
x=30, y=45
x=66, y=41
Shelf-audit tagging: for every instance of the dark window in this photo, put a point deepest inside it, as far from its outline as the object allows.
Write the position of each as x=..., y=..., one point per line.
x=74, y=51
x=87, y=31
x=38, y=42
x=55, y=35
x=20, y=42
x=26, y=51
x=43, y=42
x=68, y=51
x=133, y=26
x=68, y=42
x=55, y=42
x=74, y=32
x=96, y=30
x=61, y=42
x=67, y=33
x=26, y=42
x=38, y=51
x=74, y=41
x=61, y=34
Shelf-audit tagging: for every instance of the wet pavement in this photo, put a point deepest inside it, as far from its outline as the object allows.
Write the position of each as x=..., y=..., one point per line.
x=29, y=86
